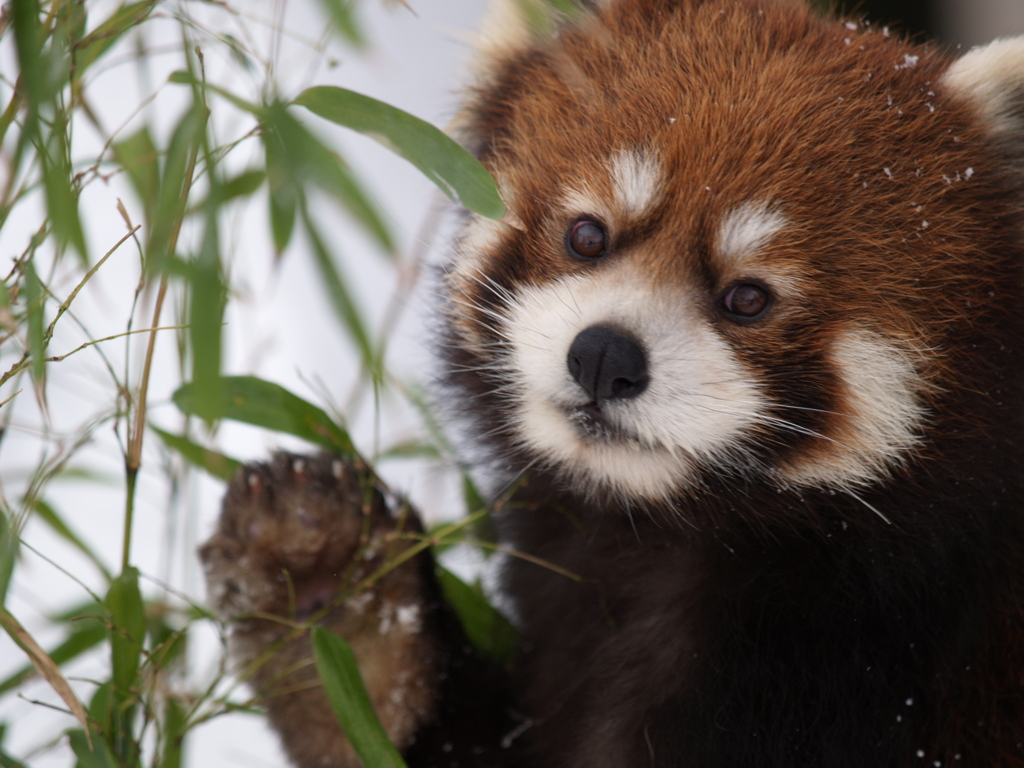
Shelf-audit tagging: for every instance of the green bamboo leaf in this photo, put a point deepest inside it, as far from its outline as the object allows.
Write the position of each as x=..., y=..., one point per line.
x=95, y=756
x=78, y=20
x=242, y=185
x=168, y=644
x=103, y=729
x=217, y=464
x=124, y=601
x=50, y=516
x=8, y=553
x=344, y=20
x=282, y=220
x=9, y=761
x=6, y=119
x=474, y=499
x=268, y=405
x=283, y=197
x=24, y=17
x=454, y=170
x=285, y=192
x=295, y=158
x=238, y=52
x=543, y=17
x=28, y=41
x=206, y=313
x=101, y=707
x=483, y=528
x=538, y=17
x=55, y=55
x=342, y=300
x=343, y=684
x=170, y=205
x=175, y=718
x=140, y=158
x=413, y=449
x=61, y=199
x=569, y=8
x=489, y=632
x=34, y=305
x=99, y=41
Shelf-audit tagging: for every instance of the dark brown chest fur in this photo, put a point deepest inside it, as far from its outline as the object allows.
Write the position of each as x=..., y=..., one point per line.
x=837, y=647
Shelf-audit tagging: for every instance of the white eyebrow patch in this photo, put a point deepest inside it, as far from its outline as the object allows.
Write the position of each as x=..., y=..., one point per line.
x=747, y=229
x=582, y=200
x=637, y=180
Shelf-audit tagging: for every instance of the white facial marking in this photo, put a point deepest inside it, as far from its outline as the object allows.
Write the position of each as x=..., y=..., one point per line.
x=582, y=201
x=747, y=229
x=991, y=77
x=699, y=402
x=637, y=179
x=883, y=410
x=479, y=238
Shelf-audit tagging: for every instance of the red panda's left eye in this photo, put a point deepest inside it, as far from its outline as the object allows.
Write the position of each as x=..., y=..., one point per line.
x=586, y=239
x=746, y=300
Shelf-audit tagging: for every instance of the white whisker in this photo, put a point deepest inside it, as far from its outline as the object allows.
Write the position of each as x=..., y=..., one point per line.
x=858, y=498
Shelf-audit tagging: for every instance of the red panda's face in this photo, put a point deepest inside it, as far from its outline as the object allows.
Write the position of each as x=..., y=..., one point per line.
x=740, y=240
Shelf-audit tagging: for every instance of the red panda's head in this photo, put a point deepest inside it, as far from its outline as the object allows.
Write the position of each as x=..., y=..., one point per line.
x=741, y=241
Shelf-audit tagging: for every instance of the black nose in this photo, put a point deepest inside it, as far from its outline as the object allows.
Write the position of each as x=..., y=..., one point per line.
x=607, y=364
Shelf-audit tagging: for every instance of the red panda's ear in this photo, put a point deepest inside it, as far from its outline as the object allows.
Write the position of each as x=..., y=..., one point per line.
x=992, y=79
x=510, y=30
x=511, y=25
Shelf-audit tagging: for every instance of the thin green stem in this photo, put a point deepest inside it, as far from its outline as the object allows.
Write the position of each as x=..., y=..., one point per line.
x=129, y=515
x=133, y=459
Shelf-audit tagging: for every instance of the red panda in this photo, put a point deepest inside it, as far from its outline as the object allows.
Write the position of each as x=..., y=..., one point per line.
x=749, y=340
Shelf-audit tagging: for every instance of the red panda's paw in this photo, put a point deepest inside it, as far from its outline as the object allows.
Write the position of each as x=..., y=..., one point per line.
x=287, y=534
x=301, y=539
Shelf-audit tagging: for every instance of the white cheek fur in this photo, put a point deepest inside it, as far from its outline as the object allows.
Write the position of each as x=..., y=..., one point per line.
x=882, y=415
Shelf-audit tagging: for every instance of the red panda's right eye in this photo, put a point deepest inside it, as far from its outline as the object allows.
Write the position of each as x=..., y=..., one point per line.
x=586, y=239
